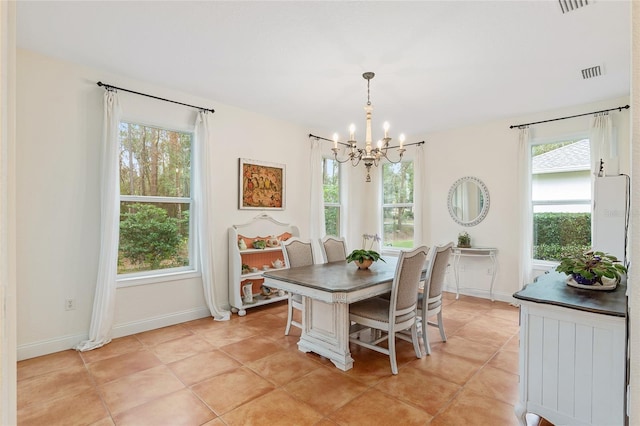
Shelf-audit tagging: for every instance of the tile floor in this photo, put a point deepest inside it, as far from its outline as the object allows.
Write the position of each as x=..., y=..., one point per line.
x=246, y=372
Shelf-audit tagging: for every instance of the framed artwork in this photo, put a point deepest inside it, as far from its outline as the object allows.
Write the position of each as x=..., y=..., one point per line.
x=261, y=185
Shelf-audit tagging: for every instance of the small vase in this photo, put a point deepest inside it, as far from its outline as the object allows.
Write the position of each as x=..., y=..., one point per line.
x=364, y=264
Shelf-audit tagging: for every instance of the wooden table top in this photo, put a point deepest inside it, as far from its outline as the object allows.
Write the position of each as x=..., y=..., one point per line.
x=337, y=277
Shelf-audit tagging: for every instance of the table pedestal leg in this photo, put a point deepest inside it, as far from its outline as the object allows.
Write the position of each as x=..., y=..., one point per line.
x=325, y=331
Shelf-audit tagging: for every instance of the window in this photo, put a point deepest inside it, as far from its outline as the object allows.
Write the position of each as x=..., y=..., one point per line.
x=331, y=188
x=397, y=204
x=561, y=198
x=155, y=200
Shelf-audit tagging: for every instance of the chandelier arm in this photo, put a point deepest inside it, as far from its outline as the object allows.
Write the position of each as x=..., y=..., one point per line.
x=390, y=160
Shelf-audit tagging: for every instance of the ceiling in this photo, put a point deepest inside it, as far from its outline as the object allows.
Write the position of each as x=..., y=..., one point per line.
x=438, y=64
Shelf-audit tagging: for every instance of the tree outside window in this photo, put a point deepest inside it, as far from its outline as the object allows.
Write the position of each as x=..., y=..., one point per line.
x=397, y=207
x=155, y=199
x=331, y=188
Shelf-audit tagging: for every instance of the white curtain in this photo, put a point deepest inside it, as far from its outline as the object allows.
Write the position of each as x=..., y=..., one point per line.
x=317, y=226
x=526, y=215
x=105, y=296
x=204, y=211
x=603, y=146
x=419, y=185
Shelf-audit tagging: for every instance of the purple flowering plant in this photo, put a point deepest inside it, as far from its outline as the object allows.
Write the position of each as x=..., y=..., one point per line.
x=590, y=267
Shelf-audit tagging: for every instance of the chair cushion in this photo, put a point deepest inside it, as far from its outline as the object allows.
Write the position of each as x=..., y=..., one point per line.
x=376, y=309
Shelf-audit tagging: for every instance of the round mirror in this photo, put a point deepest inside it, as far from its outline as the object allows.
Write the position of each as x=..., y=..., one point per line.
x=468, y=201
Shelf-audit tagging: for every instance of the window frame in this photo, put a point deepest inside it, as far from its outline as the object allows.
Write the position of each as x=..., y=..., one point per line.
x=541, y=264
x=390, y=249
x=168, y=274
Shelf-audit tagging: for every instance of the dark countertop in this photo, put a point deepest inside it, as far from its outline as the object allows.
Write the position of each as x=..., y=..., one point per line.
x=552, y=289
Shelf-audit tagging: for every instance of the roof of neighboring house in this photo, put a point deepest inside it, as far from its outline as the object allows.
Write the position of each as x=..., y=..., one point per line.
x=565, y=159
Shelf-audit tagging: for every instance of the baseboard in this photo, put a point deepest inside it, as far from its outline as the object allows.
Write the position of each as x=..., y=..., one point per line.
x=483, y=294
x=49, y=346
x=147, y=324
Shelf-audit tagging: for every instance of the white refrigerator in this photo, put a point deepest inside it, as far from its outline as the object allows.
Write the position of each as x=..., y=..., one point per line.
x=610, y=221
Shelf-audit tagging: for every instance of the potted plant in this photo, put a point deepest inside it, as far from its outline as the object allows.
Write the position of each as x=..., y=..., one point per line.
x=464, y=240
x=592, y=268
x=364, y=257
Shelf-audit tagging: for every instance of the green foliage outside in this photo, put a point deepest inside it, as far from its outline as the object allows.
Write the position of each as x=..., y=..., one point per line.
x=151, y=239
x=558, y=235
x=331, y=188
x=541, y=149
x=398, y=221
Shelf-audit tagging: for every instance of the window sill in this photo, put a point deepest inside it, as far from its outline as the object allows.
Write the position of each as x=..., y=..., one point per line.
x=544, y=265
x=156, y=278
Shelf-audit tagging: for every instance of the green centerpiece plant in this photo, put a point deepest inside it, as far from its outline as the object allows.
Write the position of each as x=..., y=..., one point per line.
x=364, y=257
x=592, y=268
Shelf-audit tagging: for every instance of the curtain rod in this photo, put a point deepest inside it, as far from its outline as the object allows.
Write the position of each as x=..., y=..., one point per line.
x=346, y=144
x=108, y=86
x=571, y=116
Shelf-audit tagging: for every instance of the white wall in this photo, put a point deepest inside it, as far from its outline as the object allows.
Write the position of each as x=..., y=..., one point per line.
x=488, y=151
x=59, y=110
x=8, y=374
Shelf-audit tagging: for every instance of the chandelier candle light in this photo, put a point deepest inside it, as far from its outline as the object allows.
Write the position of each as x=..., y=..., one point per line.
x=369, y=155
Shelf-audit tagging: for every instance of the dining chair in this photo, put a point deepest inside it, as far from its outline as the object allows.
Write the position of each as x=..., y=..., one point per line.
x=333, y=248
x=296, y=252
x=430, y=300
x=392, y=316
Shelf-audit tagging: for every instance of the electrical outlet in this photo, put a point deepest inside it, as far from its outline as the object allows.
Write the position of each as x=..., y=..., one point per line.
x=69, y=304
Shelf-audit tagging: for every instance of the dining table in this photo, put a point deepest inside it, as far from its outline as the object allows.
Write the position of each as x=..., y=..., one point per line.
x=327, y=290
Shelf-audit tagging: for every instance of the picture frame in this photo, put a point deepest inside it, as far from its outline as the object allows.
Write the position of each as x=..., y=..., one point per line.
x=261, y=185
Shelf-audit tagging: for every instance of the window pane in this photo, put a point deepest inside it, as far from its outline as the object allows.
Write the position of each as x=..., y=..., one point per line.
x=398, y=226
x=153, y=236
x=397, y=183
x=331, y=181
x=331, y=190
x=561, y=196
x=332, y=220
x=154, y=162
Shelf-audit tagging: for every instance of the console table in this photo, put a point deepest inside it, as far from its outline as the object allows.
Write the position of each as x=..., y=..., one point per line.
x=488, y=252
x=572, y=353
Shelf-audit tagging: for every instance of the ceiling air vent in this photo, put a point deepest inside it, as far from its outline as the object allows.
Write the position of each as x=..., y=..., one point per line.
x=569, y=5
x=591, y=72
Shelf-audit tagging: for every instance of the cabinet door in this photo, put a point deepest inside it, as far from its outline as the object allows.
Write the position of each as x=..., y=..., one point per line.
x=572, y=365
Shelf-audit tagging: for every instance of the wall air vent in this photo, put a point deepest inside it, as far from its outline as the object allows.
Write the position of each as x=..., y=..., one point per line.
x=569, y=5
x=591, y=72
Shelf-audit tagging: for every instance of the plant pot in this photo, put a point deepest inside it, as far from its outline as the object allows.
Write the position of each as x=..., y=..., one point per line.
x=464, y=245
x=582, y=280
x=364, y=264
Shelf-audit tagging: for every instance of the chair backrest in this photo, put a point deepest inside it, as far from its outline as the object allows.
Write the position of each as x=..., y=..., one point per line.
x=404, y=290
x=333, y=248
x=438, y=262
x=297, y=252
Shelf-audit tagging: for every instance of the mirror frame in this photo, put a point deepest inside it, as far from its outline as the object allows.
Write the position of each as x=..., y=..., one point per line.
x=485, y=206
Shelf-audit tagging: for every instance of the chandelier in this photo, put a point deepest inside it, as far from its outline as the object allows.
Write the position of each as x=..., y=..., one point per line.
x=369, y=155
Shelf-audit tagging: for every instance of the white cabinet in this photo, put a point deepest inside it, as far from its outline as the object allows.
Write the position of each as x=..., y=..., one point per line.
x=572, y=353
x=257, y=260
